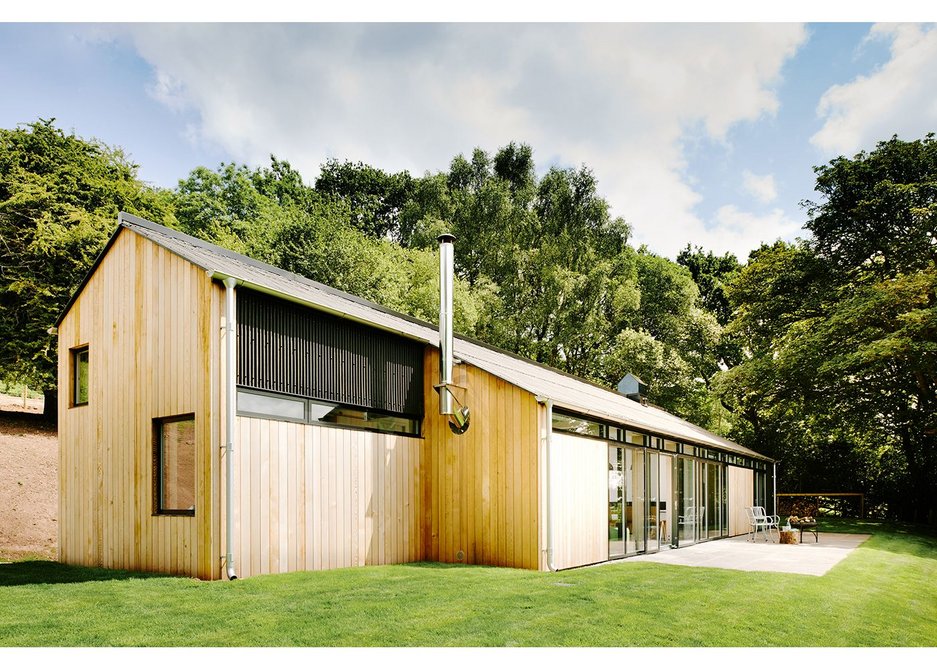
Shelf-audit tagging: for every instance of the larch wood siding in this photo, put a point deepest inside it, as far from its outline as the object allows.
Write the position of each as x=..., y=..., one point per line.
x=741, y=492
x=150, y=321
x=311, y=497
x=580, y=500
x=481, y=490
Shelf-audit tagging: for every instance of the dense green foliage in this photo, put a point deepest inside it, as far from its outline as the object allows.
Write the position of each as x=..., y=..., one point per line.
x=840, y=335
x=59, y=198
x=374, y=198
x=883, y=594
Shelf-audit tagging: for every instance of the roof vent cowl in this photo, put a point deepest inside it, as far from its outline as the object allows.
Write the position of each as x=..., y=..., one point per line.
x=634, y=388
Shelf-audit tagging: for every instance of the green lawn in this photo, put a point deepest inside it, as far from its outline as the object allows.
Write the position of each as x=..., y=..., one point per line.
x=884, y=594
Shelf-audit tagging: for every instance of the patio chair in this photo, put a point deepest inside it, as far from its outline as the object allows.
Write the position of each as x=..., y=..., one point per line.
x=689, y=518
x=761, y=521
x=687, y=523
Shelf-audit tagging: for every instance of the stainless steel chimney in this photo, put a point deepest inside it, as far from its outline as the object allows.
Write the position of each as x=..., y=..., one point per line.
x=445, y=323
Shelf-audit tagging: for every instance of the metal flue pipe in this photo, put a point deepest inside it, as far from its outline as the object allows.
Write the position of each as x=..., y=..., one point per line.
x=445, y=322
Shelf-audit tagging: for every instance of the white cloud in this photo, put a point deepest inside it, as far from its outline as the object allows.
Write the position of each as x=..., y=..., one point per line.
x=739, y=231
x=761, y=188
x=168, y=91
x=618, y=98
x=898, y=98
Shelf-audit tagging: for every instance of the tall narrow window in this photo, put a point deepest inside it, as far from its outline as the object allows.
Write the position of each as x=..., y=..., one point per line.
x=174, y=464
x=80, y=376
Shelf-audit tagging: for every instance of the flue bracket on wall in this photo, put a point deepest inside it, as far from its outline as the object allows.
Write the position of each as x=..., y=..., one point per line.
x=459, y=418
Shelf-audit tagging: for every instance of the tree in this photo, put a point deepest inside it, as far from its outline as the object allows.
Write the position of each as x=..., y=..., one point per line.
x=59, y=199
x=374, y=197
x=840, y=331
x=221, y=206
x=711, y=273
x=514, y=164
x=878, y=216
x=241, y=208
x=877, y=226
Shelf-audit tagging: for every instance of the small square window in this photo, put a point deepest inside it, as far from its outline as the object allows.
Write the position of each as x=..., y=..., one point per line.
x=174, y=464
x=80, y=376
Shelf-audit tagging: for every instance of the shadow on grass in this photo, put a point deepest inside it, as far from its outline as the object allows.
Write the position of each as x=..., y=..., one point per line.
x=919, y=540
x=21, y=573
x=437, y=565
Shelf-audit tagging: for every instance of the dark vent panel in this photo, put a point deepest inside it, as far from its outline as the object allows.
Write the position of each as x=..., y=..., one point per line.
x=288, y=348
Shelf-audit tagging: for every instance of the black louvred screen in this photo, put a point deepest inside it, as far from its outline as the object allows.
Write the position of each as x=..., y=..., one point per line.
x=288, y=348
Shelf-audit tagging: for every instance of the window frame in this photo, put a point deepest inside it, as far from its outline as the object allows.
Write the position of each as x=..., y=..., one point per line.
x=74, y=354
x=308, y=412
x=158, y=423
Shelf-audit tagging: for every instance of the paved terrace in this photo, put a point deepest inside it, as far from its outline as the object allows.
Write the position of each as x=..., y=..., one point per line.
x=739, y=553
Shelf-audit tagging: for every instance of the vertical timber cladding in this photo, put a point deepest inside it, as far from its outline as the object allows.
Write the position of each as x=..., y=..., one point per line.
x=480, y=491
x=580, y=500
x=741, y=492
x=313, y=497
x=143, y=315
x=289, y=348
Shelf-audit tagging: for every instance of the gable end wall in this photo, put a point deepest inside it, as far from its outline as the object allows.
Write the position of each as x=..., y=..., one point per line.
x=151, y=322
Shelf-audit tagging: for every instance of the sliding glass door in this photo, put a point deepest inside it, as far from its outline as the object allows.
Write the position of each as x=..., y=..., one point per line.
x=656, y=499
x=700, y=497
x=628, y=513
x=653, y=501
x=616, y=497
x=635, y=500
x=686, y=501
x=715, y=494
x=666, y=509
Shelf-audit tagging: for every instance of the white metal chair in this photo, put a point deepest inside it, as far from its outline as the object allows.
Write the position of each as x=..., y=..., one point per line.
x=761, y=521
x=688, y=519
x=694, y=515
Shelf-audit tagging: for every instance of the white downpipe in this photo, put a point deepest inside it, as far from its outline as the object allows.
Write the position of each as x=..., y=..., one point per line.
x=548, y=483
x=774, y=482
x=230, y=398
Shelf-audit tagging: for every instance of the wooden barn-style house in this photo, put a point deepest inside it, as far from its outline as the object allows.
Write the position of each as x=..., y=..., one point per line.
x=222, y=418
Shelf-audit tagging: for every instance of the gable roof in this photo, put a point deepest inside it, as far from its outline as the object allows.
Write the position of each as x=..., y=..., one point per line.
x=566, y=391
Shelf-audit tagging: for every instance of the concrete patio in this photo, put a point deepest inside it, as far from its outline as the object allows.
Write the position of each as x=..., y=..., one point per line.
x=739, y=553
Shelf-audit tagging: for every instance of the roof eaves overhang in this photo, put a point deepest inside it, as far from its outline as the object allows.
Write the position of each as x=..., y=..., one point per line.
x=654, y=431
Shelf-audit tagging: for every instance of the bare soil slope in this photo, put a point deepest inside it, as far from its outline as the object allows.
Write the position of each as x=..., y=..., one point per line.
x=28, y=481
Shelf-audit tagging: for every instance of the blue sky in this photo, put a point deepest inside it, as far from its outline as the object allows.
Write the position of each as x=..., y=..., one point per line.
x=698, y=133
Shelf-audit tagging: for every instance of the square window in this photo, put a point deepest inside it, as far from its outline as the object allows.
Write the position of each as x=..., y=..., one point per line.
x=80, y=376
x=174, y=464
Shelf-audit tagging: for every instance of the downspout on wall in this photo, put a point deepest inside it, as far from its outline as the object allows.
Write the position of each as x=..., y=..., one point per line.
x=774, y=482
x=548, y=478
x=230, y=408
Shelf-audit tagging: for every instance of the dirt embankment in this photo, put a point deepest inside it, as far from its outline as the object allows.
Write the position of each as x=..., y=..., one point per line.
x=28, y=481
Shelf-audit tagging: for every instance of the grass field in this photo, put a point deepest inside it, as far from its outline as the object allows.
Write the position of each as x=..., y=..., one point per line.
x=884, y=594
